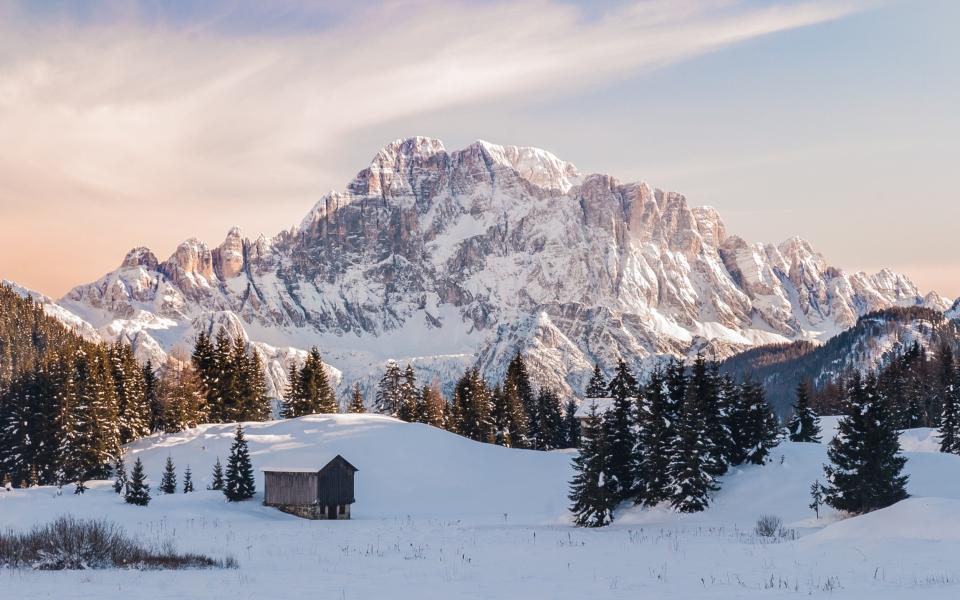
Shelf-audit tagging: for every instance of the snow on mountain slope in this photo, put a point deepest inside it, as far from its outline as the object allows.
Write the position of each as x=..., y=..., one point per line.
x=439, y=516
x=448, y=259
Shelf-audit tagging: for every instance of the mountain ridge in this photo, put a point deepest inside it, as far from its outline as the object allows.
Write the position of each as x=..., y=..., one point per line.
x=449, y=259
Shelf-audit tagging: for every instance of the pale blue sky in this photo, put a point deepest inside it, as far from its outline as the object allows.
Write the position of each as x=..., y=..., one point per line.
x=840, y=128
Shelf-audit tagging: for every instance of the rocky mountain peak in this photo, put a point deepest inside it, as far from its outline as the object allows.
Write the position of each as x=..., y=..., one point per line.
x=140, y=257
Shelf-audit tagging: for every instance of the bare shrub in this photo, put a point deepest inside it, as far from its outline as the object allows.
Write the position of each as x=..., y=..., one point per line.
x=69, y=543
x=768, y=526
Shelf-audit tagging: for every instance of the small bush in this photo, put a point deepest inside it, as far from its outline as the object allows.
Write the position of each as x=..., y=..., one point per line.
x=768, y=526
x=69, y=543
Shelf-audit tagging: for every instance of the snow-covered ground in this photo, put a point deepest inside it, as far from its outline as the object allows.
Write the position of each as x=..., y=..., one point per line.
x=438, y=516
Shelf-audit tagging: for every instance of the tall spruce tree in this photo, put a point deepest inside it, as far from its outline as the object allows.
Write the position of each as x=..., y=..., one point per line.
x=526, y=423
x=551, y=420
x=804, y=425
x=168, y=483
x=950, y=417
x=388, y=390
x=435, y=407
x=618, y=424
x=654, y=440
x=240, y=483
x=691, y=481
x=760, y=423
x=216, y=476
x=409, y=396
x=119, y=475
x=187, y=481
x=473, y=407
x=865, y=467
x=597, y=386
x=593, y=499
x=702, y=390
x=356, y=400
x=309, y=391
x=571, y=425
x=137, y=492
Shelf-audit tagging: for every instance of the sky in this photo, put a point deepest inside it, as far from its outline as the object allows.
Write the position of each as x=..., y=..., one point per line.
x=127, y=123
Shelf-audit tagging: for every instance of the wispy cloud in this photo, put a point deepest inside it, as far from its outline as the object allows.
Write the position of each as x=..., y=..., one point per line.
x=136, y=105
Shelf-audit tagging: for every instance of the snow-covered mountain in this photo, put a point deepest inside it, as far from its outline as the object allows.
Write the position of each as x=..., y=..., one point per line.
x=448, y=259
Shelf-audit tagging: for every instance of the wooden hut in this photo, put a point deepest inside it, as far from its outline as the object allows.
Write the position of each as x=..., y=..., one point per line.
x=310, y=493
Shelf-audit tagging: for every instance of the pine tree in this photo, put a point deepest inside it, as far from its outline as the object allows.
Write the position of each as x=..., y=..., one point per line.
x=621, y=440
x=950, y=415
x=760, y=424
x=408, y=396
x=119, y=475
x=865, y=469
x=435, y=407
x=804, y=426
x=702, y=390
x=816, y=496
x=593, y=500
x=309, y=391
x=525, y=421
x=168, y=483
x=571, y=425
x=356, y=400
x=187, y=481
x=388, y=390
x=551, y=420
x=240, y=483
x=597, y=386
x=151, y=394
x=691, y=481
x=501, y=430
x=138, y=492
x=473, y=406
x=80, y=487
x=216, y=481
x=654, y=440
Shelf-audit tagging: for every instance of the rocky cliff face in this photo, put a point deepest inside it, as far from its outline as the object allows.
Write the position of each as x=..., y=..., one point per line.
x=447, y=259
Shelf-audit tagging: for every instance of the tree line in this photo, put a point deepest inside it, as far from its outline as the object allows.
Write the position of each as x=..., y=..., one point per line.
x=667, y=439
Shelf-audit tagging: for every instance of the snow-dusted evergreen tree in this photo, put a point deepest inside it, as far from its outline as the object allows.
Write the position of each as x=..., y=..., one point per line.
x=409, y=396
x=525, y=423
x=388, y=396
x=816, y=497
x=119, y=475
x=498, y=414
x=593, y=500
x=621, y=440
x=137, y=492
x=180, y=392
x=690, y=480
x=865, y=467
x=950, y=418
x=760, y=424
x=702, y=391
x=472, y=408
x=168, y=483
x=187, y=481
x=240, y=483
x=309, y=391
x=551, y=420
x=804, y=425
x=133, y=408
x=151, y=394
x=597, y=386
x=80, y=487
x=356, y=400
x=216, y=477
x=571, y=425
x=435, y=407
x=654, y=441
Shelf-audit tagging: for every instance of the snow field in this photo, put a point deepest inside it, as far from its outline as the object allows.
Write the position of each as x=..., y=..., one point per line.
x=438, y=516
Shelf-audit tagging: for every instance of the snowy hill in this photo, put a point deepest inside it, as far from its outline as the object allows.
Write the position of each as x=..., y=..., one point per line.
x=439, y=516
x=447, y=259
